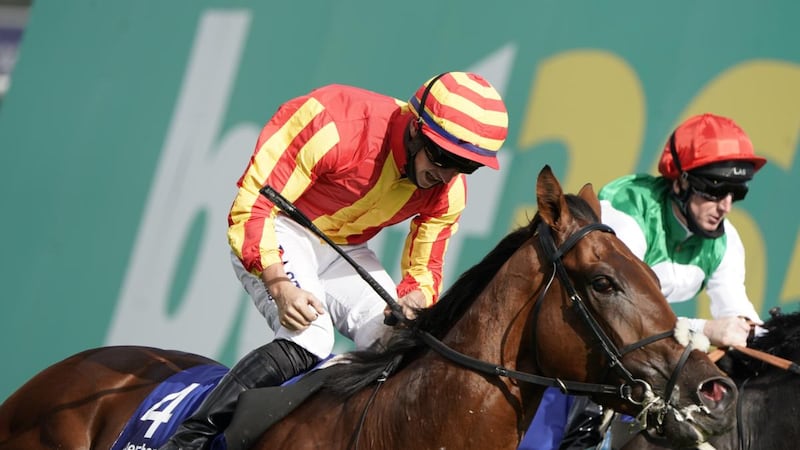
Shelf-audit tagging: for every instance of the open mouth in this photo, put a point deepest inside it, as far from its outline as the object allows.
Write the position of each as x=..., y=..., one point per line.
x=431, y=178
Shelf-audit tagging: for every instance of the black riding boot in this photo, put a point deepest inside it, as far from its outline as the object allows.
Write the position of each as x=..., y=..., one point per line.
x=268, y=365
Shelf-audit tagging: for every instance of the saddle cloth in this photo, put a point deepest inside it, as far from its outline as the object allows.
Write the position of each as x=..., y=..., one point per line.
x=170, y=403
x=176, y=398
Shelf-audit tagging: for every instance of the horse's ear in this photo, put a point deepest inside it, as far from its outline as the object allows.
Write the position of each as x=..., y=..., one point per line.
x=587, y=193
x=550, y=199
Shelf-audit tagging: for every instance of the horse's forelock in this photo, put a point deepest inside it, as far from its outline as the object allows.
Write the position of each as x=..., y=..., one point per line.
x=580, y=209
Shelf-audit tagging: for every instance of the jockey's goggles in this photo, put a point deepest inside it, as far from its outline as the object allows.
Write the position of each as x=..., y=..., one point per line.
x=716, y=190
x=440, y=157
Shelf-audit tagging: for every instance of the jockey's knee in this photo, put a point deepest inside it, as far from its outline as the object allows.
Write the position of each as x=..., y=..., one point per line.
x=318, y=339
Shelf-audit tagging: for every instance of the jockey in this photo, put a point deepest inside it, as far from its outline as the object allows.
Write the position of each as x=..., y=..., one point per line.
x=354, y=162
x=677, y=224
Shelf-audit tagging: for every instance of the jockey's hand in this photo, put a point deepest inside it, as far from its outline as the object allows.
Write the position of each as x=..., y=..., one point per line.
x=727, y=331
x=297, y=308
x=410, y=303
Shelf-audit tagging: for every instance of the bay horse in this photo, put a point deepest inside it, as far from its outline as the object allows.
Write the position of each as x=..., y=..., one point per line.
x=767, y=410
x=558, y=302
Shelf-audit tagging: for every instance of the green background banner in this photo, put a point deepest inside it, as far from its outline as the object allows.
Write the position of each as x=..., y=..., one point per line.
x=128, y=123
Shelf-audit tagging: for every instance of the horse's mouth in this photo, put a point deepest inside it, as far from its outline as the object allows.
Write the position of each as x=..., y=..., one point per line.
x=690, y=426
x=693, y=424
x=687, y=422
x=698, y=444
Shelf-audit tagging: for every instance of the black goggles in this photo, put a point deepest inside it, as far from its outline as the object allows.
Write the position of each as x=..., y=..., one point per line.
x=716, y=190
x=446, y=160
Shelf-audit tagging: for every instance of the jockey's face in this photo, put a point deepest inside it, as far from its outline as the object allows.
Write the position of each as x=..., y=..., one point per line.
x=429, y=174
x=709, y=213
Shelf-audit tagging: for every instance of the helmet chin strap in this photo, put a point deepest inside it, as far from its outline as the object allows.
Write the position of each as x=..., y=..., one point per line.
x=411, y=156
x=682, y=199
x=411, y=166
x=412, y=150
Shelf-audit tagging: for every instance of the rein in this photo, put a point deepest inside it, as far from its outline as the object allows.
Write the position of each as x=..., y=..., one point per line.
x=781, y=363
x=496, y=370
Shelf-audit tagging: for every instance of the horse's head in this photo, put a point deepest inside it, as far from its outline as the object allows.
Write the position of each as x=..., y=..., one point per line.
x=617, y=320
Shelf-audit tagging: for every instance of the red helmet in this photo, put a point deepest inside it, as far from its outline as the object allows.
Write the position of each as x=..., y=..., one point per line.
x=708, y=139
x=464, y=114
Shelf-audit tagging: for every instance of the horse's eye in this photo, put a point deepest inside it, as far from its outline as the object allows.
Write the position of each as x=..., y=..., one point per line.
x=602, y=285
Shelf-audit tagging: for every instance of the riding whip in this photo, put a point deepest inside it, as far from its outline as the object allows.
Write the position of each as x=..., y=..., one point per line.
x=295, y=214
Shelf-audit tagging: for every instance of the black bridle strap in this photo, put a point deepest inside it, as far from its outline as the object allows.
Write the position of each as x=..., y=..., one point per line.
x=648, y=340
x=673, y=379
x=390, y=368
x=495, y=370
x=614, y=356
x=554, y=255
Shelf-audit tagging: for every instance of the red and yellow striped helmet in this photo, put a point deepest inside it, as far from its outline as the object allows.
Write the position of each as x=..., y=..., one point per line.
x=464, y=114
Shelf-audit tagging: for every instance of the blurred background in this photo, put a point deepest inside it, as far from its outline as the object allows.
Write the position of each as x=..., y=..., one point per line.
x=125, y=125
x=13, y=17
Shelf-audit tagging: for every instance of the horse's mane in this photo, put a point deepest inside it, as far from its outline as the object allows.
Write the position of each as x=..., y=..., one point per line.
x=782, y=339
x=405, y=345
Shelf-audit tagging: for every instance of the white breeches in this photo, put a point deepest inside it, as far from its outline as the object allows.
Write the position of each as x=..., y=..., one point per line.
x=352, y=306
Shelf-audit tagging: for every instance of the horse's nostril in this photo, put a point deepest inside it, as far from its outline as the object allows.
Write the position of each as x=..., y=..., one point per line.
x=715, y=391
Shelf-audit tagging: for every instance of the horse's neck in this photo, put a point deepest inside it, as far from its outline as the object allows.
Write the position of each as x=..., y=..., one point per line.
x=492, y=330
x=492, y=327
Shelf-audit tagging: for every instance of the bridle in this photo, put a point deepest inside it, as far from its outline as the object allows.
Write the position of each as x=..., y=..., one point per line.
x=649, y=401
x=660, y=406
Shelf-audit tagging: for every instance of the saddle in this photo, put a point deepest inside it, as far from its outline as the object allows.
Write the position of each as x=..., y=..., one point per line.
x=260, y=408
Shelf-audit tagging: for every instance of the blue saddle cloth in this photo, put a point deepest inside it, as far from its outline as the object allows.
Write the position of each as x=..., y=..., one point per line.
x=549, y=423
x=170, y=403
x=159, y=415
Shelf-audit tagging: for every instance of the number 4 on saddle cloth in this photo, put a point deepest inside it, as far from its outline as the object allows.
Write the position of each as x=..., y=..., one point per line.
x=177, y=397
